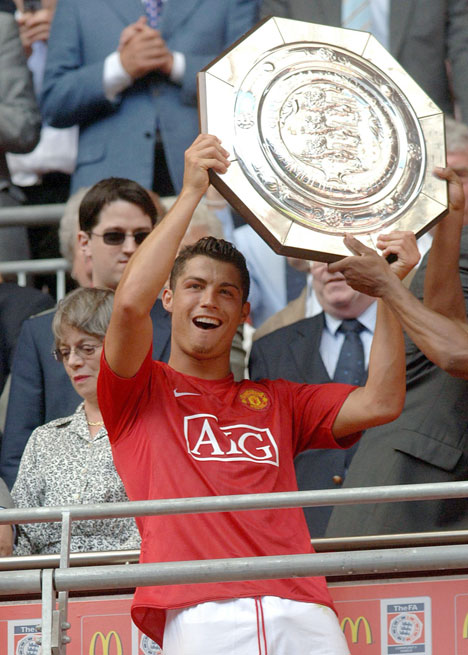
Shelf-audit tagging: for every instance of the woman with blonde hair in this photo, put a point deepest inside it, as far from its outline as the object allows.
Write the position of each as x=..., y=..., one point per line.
x=68, y=461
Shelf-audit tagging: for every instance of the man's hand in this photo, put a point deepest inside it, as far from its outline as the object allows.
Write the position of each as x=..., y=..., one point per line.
x=34, y=26
x=403, y=245
x=205, y=152
x=455, y=189
x=369, y=272
x=142, y=50
x=6, y=540
x=366, y=272
x=130, y=31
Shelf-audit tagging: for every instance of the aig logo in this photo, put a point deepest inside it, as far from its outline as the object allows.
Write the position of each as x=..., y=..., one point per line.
x=207, y=440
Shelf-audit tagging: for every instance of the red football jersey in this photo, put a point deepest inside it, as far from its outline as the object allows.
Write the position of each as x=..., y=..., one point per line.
x=176, y=436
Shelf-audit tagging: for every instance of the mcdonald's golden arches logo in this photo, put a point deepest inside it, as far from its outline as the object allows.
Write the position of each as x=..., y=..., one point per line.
x=355, y=626
x=465, y=627
x=105, y=641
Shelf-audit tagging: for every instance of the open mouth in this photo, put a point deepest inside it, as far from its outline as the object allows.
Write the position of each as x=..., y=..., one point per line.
x=206, y=322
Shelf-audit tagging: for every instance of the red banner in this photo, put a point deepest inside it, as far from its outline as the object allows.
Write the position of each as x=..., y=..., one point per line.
x=417, y=617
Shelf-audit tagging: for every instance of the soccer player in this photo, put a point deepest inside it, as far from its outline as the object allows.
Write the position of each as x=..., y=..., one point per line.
x=187, y=429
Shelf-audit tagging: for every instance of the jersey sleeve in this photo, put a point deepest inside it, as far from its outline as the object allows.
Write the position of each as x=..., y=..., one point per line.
x=315, y=410
x=121, y=399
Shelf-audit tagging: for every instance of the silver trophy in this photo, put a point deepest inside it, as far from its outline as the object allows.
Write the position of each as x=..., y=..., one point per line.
x=328, y=135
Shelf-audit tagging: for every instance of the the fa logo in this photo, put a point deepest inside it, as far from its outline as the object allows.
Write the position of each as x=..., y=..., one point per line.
x=207, y=440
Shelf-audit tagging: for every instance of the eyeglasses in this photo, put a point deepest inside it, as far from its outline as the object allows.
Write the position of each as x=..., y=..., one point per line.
x=117, y=238
x=84, y=351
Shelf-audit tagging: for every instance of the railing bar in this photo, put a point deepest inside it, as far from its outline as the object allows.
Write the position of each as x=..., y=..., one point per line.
x=369, y=562
x=31, y=215
x=99, y=558
x=256, y=568
x=34, y=266
x=27, y=562
x=394, y=493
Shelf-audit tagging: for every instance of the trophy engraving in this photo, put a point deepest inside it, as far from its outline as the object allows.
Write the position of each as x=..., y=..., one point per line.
x=324, y=139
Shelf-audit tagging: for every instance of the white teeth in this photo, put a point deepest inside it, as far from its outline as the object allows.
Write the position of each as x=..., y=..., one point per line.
x=208, y=320
x=212, y=321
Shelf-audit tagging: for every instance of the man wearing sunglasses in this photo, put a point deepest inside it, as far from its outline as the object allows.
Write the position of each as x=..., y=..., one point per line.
x=115, y=216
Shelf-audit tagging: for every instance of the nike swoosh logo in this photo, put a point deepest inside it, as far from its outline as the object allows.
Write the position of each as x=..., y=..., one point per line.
x=184, y=393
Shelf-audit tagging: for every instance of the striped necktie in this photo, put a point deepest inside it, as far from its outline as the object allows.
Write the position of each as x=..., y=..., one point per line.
x=356, y=14
x=153, y=11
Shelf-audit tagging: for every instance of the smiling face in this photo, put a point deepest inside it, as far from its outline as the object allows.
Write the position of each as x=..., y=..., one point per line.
x=206, y=307
x=82, y=369
x=335, y=296
x=109, y=261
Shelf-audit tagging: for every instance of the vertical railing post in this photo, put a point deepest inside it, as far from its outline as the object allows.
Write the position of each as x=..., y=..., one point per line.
x=48, y=609
x=55, y=614
x=60, y=277
x=62, y=639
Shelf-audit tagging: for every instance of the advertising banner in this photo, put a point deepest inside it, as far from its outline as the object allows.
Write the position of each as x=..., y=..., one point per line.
x=414, y=617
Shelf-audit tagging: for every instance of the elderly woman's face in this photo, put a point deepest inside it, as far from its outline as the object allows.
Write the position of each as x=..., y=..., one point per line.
x=81, y=354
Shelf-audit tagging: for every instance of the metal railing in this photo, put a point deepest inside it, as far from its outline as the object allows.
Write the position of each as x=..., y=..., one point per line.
x=31, y=216
x=23, y=268
x=55, y=583
x=322, y=545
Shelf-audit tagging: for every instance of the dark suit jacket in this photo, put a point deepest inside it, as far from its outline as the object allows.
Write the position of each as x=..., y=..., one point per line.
x=40, y=388
x=427, y=443
x=423, y=34
x=8, y=6
x=292, y=353
x=16, y=304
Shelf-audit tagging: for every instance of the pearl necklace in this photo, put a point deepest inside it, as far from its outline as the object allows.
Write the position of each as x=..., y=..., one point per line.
x=95, y=423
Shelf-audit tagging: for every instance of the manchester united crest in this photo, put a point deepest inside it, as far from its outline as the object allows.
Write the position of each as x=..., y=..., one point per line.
x=254, y=399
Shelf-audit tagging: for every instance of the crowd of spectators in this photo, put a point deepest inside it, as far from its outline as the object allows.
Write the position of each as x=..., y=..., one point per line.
x=119, y=103
x=99, y=119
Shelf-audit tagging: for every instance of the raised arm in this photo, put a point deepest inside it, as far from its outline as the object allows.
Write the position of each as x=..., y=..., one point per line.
x=130, y=331
x=382, y=398
x=447, y=298
x=438, y=327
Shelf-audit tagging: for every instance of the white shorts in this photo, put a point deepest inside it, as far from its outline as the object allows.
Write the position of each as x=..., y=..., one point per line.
x=254, y=626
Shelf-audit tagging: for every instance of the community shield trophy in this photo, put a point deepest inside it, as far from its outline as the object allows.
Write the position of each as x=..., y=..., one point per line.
x=328, y=135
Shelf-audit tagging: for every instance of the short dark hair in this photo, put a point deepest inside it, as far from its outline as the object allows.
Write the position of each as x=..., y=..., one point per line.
x=219, y=249
x=110, y=190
